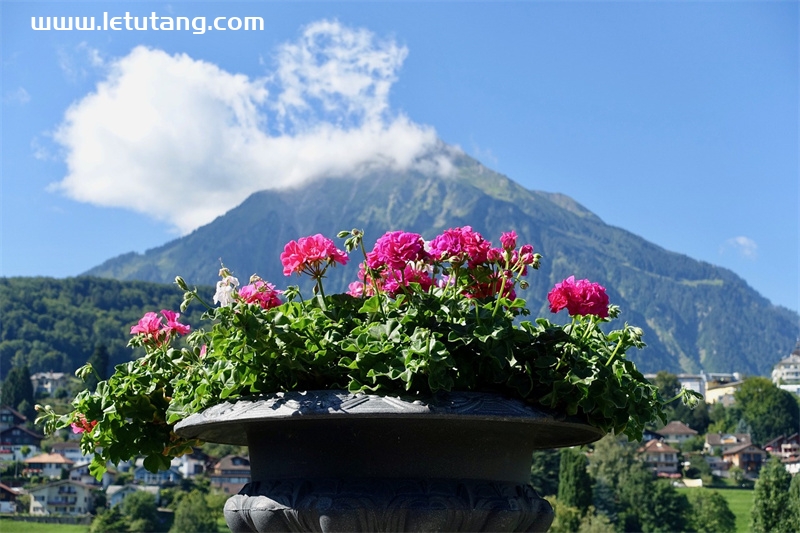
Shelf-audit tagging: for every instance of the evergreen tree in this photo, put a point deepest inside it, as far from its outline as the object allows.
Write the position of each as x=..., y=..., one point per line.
x=772, y=512
x=99, y=361
x=574, y=483
x=710, y=513
x=193, y=515
x=794, y=502
x=544, y=471
x=18, y=391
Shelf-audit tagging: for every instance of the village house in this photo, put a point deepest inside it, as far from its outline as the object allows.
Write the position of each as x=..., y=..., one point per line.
x=116, y=494
x=145, y=477
x=231, y=473
x=677, y=432
x=80, y=472
x=62, y=497
x=786, y=373
x=49, y=382
x=8, y=499
x=659, y=457
x=70, y=449
x=719, y=443
x=48, y=465
x=748, y=457
x=722, y=393
x=15, y=437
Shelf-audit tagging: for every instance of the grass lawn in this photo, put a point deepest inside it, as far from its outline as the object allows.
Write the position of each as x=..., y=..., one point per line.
x=18, y=526
x=740, y=502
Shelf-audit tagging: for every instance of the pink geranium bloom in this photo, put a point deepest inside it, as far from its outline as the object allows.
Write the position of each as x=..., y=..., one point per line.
x=459, y=245
x=262, y=293
x=82, y=425
x=395, y=281
x=581, y=297
x=396, y=249
x=150, y=325
x=509, y=240
x=173, y=326
x=310, y=254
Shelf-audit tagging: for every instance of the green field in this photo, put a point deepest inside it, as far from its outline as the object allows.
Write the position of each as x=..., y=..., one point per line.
x=739, y=501
x=18, y=526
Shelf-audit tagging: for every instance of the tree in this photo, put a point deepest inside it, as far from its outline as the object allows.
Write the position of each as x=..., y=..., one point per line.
x=18, y=391
x=794, y=502
x=99, y=361
x=710, y=513
x=769, y=410
x=544, y=471
x=193, y=515
x=772, y=512
x=140, y=510
x=574, y=484
x=109, y=521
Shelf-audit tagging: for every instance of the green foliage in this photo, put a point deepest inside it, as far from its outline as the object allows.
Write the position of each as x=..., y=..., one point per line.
x=545, y=465
x=567, y=519
x=574, y=483
x=417, y=342
x=696, y=417
x=794, y=503
x=772, y=509
x=769, y=410
x=140, y=510
x=55, y=324
x=17, y=391
x=194, y=515
x=99, y=362
x=710, y=513
x=109, y=521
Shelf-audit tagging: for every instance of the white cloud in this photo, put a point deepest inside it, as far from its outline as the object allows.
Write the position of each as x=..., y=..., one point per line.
x=744, y=246
x=184, y=141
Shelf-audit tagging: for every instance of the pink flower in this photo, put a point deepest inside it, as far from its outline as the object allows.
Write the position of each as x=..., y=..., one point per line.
x=262, y=293
x=509, y=240
x=311, y=255
x=149, y=325
x=173, y=326
x=395, y=281
x=458, y=245
x=82, y=425
x=581, y=297
x=527, y=255
x=356, y=289
x=396, y=249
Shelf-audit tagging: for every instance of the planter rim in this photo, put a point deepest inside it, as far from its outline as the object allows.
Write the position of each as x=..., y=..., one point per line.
x=230, y=423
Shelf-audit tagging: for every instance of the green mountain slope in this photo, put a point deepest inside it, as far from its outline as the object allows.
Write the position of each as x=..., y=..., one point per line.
x=696, y=316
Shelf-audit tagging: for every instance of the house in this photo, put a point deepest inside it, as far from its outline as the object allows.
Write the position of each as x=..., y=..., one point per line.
x=80, y=472
x=718, y=443
x=191, y=464
x=231, y=473
x=786, y=373
x=784, y=447
x=49, y=382
x=144, y=476
x=116, y=494
x=8, y=499
x=659, y=457
x=723, y=393
x=47, y=465
x=695, y=382
x=677, y=431
x=62, y=497
x=748, y=457
x=14, y=436
x=71, y=450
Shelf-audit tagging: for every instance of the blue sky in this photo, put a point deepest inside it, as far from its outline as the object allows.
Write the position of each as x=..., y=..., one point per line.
x=677, y=121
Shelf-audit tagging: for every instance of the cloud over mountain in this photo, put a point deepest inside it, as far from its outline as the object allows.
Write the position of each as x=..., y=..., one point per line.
x=182, y=140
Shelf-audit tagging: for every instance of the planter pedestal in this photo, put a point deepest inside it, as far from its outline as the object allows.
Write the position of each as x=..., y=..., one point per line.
x=334, y=461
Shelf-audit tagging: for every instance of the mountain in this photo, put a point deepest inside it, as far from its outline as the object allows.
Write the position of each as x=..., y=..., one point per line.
x=696, y=316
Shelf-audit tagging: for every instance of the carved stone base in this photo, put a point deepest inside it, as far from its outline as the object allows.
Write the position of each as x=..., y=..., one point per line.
x=327, y=505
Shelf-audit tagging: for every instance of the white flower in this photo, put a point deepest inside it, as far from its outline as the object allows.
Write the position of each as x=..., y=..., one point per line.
x=225, y=288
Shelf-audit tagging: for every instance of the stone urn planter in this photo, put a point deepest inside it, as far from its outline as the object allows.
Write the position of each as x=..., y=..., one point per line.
x=335, y=461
